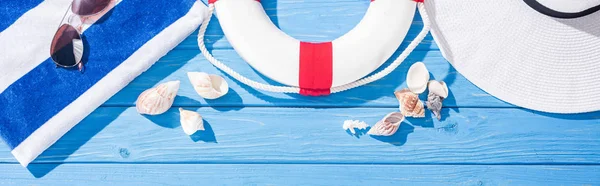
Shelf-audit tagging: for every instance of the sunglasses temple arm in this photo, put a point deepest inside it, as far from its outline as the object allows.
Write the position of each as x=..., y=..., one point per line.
x=63, y=17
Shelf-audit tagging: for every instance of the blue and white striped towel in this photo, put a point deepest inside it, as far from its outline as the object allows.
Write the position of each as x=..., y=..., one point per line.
x=39, y=103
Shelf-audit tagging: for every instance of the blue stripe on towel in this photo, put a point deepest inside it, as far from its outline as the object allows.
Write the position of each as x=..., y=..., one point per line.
x=11, y=10
x=44, y=91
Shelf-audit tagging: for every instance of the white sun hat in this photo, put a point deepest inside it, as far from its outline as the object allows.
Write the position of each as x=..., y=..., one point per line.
x=538, y=54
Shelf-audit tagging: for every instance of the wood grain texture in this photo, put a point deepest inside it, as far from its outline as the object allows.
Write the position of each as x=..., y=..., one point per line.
x=261, y=138
x=326, y=175
x=309, y=135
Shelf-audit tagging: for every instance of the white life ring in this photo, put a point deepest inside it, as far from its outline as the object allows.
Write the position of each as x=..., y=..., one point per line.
x=313, y=68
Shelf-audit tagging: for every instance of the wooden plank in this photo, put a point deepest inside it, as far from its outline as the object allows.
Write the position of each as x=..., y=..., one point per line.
x=290, y=174
x=308, y=135
x=311, y=20
x=177, y=63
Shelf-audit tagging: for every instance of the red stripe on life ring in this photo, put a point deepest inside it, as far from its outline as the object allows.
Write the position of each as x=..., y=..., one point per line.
x=316, y=68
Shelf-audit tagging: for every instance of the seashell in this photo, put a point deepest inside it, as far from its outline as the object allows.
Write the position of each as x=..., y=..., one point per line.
x=439, y=88
x=208, y=86
x=410, y=105
x=388, y=125
x=417, y=78
x=352, y=124
x=434, y=103
x=190, y=121
x=157, y=100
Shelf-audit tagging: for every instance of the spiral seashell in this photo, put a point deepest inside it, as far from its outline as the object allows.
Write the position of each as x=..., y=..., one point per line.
x=417, y=77
x=388, y=125
x=410, y=105
x=439, y=88
x=190, y=121
x=157, y=100
x=434, y=103
x=208, y=86
x=352, y=124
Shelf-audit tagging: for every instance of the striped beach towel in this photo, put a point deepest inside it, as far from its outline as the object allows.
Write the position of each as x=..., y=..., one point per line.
x=39, y=102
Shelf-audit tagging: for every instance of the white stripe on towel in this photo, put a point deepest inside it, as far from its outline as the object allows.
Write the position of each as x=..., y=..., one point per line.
x=29, y=28
x=138, y=62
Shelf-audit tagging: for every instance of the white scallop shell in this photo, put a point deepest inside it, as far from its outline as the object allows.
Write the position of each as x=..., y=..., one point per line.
x=438, y=88
x=208, y=86
x=157, y=100
x=417, y=78
x=190, y=121
x=352, y=124
x=388, y=125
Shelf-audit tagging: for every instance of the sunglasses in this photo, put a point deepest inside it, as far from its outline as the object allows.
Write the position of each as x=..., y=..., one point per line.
x=66, y=49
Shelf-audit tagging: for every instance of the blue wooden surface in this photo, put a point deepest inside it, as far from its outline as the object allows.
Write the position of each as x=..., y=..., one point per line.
x=261, y=138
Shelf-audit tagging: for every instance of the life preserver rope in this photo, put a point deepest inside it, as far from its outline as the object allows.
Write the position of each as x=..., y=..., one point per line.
x=292, y=89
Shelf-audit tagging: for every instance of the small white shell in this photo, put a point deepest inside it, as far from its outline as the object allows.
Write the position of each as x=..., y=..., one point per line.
x=438, y=88
x=388, y=125
x=208, y=86
x=157, y=100
x=417, y=78
x=352, y=124
x=190, y=121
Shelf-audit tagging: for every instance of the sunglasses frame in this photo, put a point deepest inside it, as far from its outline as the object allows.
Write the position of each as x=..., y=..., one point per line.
x=79, y=63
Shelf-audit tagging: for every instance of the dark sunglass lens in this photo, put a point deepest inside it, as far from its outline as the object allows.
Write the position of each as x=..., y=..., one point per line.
x=67, y=47
x=88, y=7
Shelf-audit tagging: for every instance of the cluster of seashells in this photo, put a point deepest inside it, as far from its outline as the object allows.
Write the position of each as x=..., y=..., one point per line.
x=417, y=81
x=159, y=99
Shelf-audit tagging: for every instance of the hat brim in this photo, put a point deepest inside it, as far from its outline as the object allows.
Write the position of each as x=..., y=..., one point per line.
x=520, y=55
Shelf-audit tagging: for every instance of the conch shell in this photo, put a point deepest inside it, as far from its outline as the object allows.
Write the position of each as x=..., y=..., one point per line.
x=438, y=91
x=157, y=100
x=417, y=78
x=434, y=103
x=190, y=121
x=410, y=105
x=351, y=124
x=388, y=125
x=208, y=86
